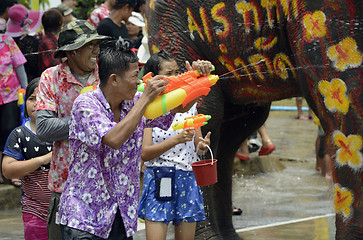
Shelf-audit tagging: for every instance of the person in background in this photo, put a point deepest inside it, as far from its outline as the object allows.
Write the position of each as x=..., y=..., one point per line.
x=28, y=158
x=323, y=159
x=70, y=3
x=134, y=27
x=52, y=21
x=101, y=12
x=143, y=52
x=4, y=8
x=266, y=147
x=300, y=113
x=66, y=12
x=101, y=195
x=22, y=24
x=140, y=7
x=113, y=26
x=12, y=78
x=58, y=87
x=172, y=151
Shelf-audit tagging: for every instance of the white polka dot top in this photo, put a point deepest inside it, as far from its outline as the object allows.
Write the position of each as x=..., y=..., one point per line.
x=180, y=156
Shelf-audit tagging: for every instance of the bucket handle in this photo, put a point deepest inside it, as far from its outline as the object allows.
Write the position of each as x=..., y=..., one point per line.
x=211, y=153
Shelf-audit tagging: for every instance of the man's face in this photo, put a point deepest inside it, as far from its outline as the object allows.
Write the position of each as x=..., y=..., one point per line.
x=129, y=13
x=127, y=84
x=85, y=58
x=71, y=3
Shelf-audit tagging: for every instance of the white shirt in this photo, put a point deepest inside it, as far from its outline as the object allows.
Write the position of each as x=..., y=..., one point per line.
x=181, y=155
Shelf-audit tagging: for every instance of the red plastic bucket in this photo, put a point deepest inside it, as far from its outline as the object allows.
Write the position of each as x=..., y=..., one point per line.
x=205, y=172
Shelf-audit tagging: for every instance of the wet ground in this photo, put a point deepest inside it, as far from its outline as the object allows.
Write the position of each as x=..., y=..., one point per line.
x=292, y=203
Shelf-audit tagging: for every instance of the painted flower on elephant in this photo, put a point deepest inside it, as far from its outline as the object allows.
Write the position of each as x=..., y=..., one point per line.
x=345, y=54
x=343, y=200
x=334, y=93
x=314, y=25
x=349, y=149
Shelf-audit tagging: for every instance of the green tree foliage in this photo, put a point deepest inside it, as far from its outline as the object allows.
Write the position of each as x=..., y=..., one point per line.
x=85, y=7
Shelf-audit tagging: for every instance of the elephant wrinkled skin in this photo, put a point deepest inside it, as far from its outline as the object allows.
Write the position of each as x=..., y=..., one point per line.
x=267, y=50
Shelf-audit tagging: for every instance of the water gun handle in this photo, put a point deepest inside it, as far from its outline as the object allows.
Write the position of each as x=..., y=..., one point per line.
x=196, y=127
x=148, y=76
x=145, y=78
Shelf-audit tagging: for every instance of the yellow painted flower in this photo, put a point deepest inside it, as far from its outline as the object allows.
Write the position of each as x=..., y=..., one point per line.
x=334, y=93
x=345, y=54
x=343, y=200
x=349, y=149
x=314, y=25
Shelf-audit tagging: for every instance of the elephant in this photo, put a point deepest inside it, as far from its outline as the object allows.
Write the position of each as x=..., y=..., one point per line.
x=268, y=50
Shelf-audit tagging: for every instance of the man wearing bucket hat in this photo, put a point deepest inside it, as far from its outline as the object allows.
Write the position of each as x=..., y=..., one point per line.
x=101, y=194
x=22, y=25
x=169, y=154
x=58, y=87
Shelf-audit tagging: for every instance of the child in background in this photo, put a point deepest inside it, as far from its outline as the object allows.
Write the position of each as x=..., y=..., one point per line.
x=26, y=157
x=172, y=151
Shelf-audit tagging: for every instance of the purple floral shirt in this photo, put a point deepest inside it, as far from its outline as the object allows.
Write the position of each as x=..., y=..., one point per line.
x=100, y=179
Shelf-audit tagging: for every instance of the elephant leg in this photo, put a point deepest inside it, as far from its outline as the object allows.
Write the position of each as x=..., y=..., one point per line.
x=232, y=134
x=230, y=125
x=343, y=129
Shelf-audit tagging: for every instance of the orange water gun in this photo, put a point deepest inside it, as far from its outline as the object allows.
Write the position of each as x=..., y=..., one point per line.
x=192, y=122
x=181, y=89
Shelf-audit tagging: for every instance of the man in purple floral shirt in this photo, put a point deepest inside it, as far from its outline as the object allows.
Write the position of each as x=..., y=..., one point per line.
x=101, y=195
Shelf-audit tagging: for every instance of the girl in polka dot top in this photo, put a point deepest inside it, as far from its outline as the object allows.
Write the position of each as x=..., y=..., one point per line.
x=170, y=192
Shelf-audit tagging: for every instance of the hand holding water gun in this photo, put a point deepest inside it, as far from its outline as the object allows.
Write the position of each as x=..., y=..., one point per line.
x=21, y=105
x=186, y=135
x=192, y=122
x=180, y=89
